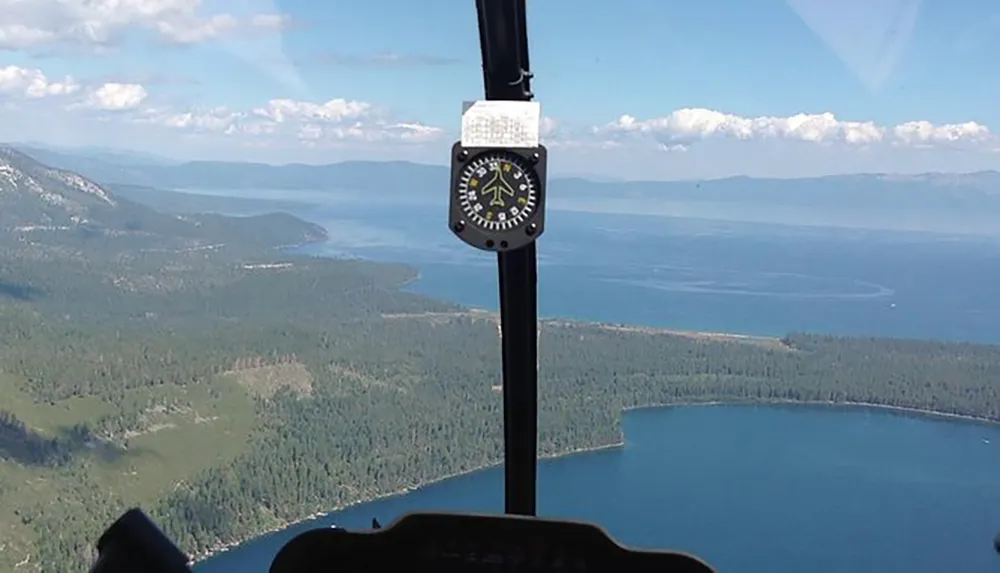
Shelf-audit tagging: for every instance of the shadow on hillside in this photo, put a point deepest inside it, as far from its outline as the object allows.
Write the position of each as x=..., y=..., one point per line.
x=22, y=445
x=80, y=442
x=19, y=292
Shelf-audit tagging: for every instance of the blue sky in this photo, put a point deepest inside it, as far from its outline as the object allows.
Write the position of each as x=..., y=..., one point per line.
x=632, y=88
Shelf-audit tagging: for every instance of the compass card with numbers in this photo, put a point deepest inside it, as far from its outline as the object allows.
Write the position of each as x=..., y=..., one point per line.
x=497, y=196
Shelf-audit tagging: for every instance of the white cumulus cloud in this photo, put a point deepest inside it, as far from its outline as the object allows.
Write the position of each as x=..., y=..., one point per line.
x=686, y=142
x=282, y=110
x=282, y=122
x=294, y=122
x=687, y=126
x=116, y=96
x=34, y=24
x=32, y=83
x=925, y=133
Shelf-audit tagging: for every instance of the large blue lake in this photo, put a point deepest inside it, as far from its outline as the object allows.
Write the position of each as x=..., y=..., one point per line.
x=692, y=273
x=751, y=489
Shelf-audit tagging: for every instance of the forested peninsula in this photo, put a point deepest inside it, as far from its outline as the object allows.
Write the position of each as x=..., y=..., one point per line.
x=188, y=365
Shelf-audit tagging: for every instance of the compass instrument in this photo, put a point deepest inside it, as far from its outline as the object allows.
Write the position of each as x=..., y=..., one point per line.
x=497, y=196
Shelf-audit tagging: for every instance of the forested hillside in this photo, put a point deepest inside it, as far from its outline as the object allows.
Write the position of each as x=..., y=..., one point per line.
x=249, y=395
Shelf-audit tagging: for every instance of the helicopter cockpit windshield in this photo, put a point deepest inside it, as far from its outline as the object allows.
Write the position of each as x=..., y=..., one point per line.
x=260, y=312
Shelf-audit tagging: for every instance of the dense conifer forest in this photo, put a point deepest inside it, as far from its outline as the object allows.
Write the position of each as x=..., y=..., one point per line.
x=228, y=391
x=249, y=394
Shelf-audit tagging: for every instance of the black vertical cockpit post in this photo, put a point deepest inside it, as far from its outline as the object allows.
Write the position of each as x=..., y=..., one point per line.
x=504, y=41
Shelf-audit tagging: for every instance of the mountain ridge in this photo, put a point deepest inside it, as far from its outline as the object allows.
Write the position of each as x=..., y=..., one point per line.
x=47, y=211
x=947, y=203
x=135, y=162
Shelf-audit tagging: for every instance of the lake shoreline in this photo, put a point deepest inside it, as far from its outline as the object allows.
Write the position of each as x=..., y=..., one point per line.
x=919, y=412
x=620, y=443
x=224, y=547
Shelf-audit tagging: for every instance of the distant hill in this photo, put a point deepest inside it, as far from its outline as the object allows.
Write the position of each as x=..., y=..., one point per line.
x=33, y=194
x=180, y=202
x=117, y=156
x=101, y=167
x=389, y=177
x=939, y=202
x=45, y=211
x=935, y=202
